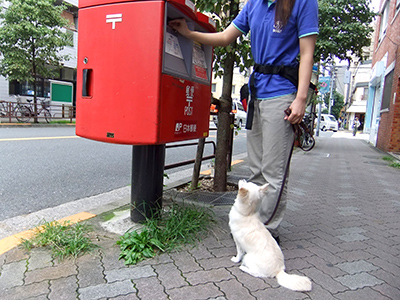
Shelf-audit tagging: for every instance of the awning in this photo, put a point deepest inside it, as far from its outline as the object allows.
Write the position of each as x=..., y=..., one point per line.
x=357, y=107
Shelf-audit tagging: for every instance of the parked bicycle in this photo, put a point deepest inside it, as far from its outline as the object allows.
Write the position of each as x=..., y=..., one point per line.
x=24, y=112
x=3, y=108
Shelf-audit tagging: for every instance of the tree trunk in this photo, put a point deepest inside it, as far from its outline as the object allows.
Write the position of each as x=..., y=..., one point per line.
x=224, y=118
x=35, y=109
x=224, y=127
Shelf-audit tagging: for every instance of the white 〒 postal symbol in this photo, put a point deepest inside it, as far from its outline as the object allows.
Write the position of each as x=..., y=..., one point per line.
x=113, y=19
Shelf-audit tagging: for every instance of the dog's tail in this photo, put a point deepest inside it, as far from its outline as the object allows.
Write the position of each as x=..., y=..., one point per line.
x=294, y=282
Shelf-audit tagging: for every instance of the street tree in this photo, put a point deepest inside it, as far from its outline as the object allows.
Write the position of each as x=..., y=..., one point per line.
x=32, y=34
x=345, y=28
x=338, y=104
x=225, y=60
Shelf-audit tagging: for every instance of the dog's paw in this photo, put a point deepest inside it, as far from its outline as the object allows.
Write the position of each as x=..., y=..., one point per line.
x=235, y=259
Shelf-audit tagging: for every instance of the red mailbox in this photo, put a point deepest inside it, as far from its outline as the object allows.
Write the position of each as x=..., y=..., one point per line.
x=139, y=82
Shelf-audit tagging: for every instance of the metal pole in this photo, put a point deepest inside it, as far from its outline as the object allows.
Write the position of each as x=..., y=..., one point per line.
x=147, y=181
x=197, y=164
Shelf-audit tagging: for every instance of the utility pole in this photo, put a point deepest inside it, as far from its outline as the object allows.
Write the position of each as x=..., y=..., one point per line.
x=333, y=80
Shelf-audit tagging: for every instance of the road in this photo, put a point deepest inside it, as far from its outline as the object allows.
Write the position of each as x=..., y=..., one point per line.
x=44, y=167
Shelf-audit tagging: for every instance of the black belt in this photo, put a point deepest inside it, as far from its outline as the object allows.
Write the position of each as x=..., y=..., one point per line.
x=290, y=73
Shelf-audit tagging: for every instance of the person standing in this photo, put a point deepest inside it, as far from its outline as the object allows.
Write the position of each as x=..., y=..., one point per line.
x=280, y=31
x=356, y=124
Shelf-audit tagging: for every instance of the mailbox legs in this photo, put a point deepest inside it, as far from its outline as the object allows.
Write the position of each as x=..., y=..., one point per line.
x=147, y=181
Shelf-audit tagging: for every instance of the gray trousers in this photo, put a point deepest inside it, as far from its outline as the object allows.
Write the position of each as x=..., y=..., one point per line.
x=269, y=144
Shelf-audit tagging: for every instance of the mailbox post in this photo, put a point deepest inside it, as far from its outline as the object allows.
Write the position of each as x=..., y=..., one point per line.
x=140, y=83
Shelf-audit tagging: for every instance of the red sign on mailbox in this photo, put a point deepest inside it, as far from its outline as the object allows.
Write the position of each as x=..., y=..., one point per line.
x=139, y=82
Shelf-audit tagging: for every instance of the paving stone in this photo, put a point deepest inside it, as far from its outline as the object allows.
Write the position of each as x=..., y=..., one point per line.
x=318, y=292
x=185, y=261
x=32, y=291
x=224, y=251
x=149, y=288
x=359, y=280
x=90, y=271
x=114, y=289
x=362, y=294
x=15, y=254
x=64, y=288
x=355, y=255
x=131, y=296
x=201, y=252
x=215, y=275
x=49, y=273
x=110, y=258
x=297, y=253
x=326, y=267
x=215, y=263
x=387, y=277
x=202, y=291
x=170, y=276
x=388, y=291
x=131, y=273
x=40, y=258
x=388, y=266
x=2, y=261
x=252, y=283
x=329, y=284
x=279, y=293
x=357, y=267
x=12, y=274
x=352, y=237
x=233, y=290
x=351, y=230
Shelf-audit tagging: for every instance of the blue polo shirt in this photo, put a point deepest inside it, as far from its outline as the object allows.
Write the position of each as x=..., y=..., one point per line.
x=271, y=44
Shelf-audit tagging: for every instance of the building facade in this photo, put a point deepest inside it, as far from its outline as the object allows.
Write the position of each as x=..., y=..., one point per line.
x=67, y=73
x=383, y=106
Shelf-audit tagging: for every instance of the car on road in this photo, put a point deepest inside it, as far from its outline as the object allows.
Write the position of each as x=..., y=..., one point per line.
x=328, y=122
x=239, y=113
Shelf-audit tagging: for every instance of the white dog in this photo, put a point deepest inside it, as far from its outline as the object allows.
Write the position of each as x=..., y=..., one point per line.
x=256, y=248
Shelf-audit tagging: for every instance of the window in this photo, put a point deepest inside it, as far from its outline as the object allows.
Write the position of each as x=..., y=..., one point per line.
x=70, y=37
x=213, y=88
x=233, y=89
x=26, y=88
x=384, y=20
x=387, y=91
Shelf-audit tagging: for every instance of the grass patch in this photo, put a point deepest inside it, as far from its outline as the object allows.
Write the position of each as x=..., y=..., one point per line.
x=62, y=122
x=64, y=240
x=392, y=162
x=388, y=158
x=395, y=165
x=180, y=225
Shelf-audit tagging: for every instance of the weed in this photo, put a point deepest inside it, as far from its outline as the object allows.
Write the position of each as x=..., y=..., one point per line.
x=392, y=162
x=388, y=158
x=64, y=240
x=178, y=226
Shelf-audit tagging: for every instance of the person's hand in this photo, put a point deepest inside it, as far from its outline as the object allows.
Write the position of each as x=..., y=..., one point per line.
x=180, y=26
x=297, y=110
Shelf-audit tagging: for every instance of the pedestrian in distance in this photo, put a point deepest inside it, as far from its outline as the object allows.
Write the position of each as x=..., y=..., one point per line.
x=356, y=124
x=280, y=31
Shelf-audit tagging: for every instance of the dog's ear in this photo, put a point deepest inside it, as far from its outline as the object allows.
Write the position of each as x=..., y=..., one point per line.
x=243, y=192
x=263, y=189
x=241, y=183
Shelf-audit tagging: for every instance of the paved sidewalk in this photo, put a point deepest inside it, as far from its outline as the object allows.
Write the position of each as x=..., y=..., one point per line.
x=342, y=229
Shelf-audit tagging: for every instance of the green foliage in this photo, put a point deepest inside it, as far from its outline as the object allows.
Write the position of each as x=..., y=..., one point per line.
x=392, y=162
x=31, y=35
x=179, y=226
x=345, y=28
x=64, y=240
x=223, y=14
x=338, y=103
